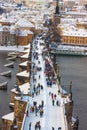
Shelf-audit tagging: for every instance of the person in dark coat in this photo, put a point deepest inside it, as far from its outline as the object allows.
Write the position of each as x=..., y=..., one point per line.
x=52, y=128
x=42, y=103
x=52, y=95
x=30, y=126
x=53, y=102
x=57, y=103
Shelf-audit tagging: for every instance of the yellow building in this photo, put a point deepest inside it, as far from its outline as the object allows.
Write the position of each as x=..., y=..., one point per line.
x=23, y=37
x=78, y=36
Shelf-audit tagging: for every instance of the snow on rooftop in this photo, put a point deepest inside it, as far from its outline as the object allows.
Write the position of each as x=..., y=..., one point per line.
x=9, y=116
x=74, y=32
x=78, y=13
x=25, y=88
x=30, y=32
x=27, y=46
x=4, y=19
x=25, y=56
x=26, y=50
x=23, y=74
x=24, y=23
x=22, y=33
x=23, y=64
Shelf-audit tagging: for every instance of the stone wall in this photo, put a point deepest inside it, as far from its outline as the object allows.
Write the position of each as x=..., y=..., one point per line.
x=19, y=111
x=68, y=112
x=6, y=124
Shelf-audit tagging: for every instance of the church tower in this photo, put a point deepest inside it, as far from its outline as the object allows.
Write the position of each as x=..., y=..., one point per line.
x=57, y=15
x=57, y=9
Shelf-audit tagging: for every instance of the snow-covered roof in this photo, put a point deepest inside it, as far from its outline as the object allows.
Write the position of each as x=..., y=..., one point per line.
x=22, y=33
x=76, y=13
x=26, y=51
x=74, y=32
x=23, y=74
x=27, y=46
x=24, y=88
x=9, y=116
x=4, y=19
x=23, y=64
x=29, y=32
x=24, y=23
x=25, y=56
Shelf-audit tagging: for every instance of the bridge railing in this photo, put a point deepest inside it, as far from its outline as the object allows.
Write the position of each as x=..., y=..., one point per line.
x=24, y=119
x=58, y=84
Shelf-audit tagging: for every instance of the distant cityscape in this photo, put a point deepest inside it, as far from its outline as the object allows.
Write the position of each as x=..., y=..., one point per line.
x=19, y=21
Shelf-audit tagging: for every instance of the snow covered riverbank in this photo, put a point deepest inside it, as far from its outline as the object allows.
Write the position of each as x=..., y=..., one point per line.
x=11, y=48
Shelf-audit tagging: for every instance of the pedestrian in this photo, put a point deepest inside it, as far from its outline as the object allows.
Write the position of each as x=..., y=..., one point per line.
x=52, y=128
x=39, y=127
x=36, y=110
x=49, y=93
x=32, y=94
x=42, y=103
x=39, y=91
x=58, y=92
x=53, y=102
x=34, y=103
x=55, y=96
x=39, y=76
x=52, y=95
x=59, y=128
x=57, y=103
x=41, y=87
x=50, y=83
x=41, y=112
x=27, y=113
x=30, y=126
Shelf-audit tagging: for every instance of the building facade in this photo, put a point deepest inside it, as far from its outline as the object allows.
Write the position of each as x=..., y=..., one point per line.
x=74, y=39
x=82, y=2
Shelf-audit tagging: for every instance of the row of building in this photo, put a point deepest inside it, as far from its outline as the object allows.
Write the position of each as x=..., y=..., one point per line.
x=18, y=27
x=73, y=32
x=66, y=2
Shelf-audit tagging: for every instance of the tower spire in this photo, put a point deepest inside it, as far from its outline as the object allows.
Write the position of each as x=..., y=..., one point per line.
x=57, y=8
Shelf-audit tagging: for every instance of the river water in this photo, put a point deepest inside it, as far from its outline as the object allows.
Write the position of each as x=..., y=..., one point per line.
x=5, y=95
x=75, y=69
x=71, y=69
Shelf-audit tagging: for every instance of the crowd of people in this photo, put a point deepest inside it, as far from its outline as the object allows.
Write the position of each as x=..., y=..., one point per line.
x=37, y=86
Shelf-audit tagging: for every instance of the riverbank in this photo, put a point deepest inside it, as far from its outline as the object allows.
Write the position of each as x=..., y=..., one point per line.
x=11, y=48
x=68, y=50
